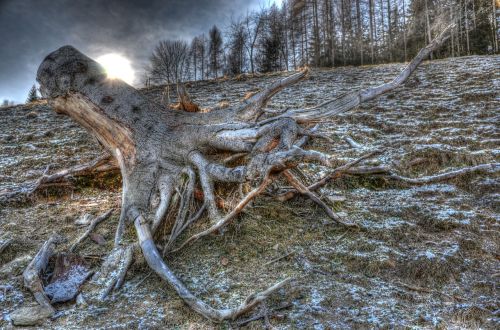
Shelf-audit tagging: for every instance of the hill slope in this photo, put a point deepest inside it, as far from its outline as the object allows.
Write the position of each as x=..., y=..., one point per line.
x=425, y=255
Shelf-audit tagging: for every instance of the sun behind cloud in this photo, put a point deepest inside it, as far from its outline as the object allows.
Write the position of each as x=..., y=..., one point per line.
x=117, y=67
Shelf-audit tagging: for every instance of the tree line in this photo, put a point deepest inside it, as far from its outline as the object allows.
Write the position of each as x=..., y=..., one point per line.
x=327, y=33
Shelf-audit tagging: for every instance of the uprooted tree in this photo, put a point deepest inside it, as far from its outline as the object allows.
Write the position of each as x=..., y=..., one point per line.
x=168, y=158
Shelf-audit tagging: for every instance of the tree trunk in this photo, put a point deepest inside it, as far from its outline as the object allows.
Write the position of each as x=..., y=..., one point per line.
x=342, y=11
x=428, y=25
x=494, y=27
x=359, y=31
x=372, y=39
x=389, y=29
x=162, y=153
x=404, y=32
x=382, y=23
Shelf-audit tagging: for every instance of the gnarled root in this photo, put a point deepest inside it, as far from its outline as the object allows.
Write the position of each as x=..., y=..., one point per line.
x=231, y=215
x=91, y=227
x=156, y=262
x=166, y=153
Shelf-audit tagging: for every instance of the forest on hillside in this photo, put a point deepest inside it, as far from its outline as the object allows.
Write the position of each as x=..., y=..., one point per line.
x=327, y=33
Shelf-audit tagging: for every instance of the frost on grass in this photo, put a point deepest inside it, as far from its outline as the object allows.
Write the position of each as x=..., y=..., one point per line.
x=425, y=256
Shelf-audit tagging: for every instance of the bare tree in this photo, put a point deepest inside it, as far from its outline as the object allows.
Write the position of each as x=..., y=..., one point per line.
x=253, y=23
x=238, y=40
x=169, y=61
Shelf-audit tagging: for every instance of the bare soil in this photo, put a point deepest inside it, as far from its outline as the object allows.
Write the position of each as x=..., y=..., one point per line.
x=424, y=257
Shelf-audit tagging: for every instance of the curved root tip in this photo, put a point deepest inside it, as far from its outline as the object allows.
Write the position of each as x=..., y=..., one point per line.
x=252, y=301
x=155, y=261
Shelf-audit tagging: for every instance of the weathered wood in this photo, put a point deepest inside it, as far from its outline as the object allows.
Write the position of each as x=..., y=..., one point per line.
x=4, y=244
x=93, y=224
x=32, y=273
x=102, y=164
x=156, y=262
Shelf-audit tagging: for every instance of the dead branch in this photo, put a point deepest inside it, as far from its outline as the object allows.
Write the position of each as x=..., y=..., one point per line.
x=92, y=226
x=305, y=191
x=104, y=163
x=350, y=101
x=279, y=258
x=32, y=273
x=336, y=173
x=390, y=174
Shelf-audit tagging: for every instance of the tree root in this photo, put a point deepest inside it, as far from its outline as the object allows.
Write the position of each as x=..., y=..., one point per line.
x=112, y=273
x=32, y=273
x=156, y=150
x=336, y=173
x=294, y=181
x=385, y=172
x=349, y=101
x=231, y=215
x=104, y=163
x=156, y=262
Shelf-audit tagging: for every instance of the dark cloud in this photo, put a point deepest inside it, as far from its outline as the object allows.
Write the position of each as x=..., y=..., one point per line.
x=30, y=29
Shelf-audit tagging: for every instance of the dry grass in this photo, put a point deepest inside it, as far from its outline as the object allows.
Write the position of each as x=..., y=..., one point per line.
x=343, y=279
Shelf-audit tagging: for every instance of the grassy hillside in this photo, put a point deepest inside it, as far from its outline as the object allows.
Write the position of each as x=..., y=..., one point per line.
x=424, y=256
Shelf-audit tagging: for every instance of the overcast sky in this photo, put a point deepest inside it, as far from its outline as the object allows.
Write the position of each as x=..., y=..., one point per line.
x=30, y=29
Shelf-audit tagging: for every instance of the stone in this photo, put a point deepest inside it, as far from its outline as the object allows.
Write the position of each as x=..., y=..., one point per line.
x=30, y=315
x=84, y=220
x=80, y=300
x=16, y=266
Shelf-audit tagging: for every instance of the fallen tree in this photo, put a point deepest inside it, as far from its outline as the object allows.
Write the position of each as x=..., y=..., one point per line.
x=178, y=156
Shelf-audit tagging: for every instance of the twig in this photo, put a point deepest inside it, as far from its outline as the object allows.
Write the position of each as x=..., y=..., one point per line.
x=341, y=236
x=5, y=244
x=92, y=226
x=428, y=290
x=143, y=279
x=279, y=258
x=350, y=141
x=261, y=315
x=305, y=191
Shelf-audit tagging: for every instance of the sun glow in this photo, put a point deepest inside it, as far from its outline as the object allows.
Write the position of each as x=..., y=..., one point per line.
x=117, y=67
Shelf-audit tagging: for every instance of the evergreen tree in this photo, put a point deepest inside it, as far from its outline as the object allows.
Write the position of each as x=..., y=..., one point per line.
x=32, y=95
x=215, y=50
